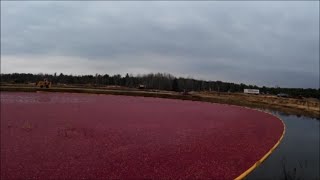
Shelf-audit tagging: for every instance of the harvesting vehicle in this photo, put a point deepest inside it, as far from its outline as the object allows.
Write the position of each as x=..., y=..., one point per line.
x=44, y=83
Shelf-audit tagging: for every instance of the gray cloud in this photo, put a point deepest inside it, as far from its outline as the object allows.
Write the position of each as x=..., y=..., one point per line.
x=263, y=43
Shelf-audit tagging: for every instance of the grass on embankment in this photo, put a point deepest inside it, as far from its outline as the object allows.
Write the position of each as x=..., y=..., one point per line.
x=287, y=105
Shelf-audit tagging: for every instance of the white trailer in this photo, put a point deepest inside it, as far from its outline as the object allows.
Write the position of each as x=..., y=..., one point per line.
x=251, y=91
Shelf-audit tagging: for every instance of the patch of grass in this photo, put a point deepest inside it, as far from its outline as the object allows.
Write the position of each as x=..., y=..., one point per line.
x=296, y=173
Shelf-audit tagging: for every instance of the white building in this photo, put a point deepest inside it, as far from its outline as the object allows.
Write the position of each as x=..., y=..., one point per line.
x=251, y=91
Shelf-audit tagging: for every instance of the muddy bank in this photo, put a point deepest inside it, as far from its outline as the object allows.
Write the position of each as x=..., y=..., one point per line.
x=310, y=108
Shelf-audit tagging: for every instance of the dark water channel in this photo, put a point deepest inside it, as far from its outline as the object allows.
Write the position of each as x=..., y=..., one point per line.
x=297, y=157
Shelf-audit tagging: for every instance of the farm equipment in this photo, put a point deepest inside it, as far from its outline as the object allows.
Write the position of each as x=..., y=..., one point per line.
x=44, y=83
x=141, y=86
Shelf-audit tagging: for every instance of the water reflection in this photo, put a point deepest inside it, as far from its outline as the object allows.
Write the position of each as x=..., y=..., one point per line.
x=297, y=157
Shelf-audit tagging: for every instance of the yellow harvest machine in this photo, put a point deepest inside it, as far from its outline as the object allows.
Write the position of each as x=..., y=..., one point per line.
x=44, y=83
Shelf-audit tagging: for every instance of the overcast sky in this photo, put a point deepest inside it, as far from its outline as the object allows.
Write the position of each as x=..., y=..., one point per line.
x=263, y=43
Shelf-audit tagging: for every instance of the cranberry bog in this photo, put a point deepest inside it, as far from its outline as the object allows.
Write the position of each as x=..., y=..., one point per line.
x=89, y=136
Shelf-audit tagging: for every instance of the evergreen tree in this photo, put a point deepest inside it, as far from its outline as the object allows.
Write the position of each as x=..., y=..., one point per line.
x=175, y=86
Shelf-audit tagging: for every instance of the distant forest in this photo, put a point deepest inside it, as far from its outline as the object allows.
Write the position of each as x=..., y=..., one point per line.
x=161, y=81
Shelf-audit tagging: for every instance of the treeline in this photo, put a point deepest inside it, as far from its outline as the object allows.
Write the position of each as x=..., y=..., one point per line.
x=161, y=81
